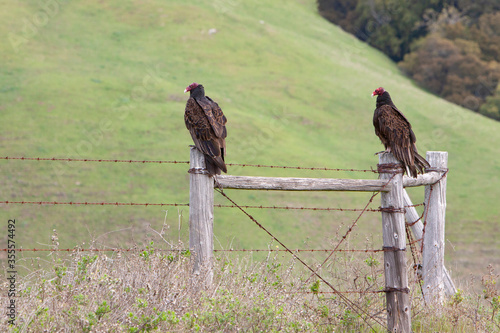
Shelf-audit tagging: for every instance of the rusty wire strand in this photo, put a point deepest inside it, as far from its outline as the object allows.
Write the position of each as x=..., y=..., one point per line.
x=301, y=250
x=181, y=250
x=300, y=167
x=415, y=256
x=414, y=241
x=415, y=205
x=89, y=160
x=342, y=292
x=299, y=208
x=86, y=203
x=308, y=292
x=411, y=224
x=426, y=211
x=66, y=159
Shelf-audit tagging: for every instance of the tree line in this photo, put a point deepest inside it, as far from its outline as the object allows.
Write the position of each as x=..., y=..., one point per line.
x=450, y=47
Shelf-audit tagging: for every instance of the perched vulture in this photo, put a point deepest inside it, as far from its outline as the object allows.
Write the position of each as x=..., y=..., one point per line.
x=207, y=124
x=395, y=132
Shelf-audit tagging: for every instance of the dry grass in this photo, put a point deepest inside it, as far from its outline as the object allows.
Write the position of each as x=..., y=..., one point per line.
x=153, y=290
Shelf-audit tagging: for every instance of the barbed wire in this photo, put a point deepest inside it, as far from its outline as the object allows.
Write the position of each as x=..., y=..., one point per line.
x=415, y=255
x=300, y=250
x=110, y=160
x=87, y=203
x=300, y=167
x=415, y=205
x=342, y=292
x=65, y=159
x=298, y=208
x=300, y=292
x=411, y=242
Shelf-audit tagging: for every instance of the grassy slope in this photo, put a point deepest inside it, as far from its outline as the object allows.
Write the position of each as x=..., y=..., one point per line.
x=105, y=80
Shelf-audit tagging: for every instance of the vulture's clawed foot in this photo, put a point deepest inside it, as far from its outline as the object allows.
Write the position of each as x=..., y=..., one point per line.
x=388, y=150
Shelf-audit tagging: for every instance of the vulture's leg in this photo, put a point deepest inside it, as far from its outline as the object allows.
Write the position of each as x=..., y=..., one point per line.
x=388, y=150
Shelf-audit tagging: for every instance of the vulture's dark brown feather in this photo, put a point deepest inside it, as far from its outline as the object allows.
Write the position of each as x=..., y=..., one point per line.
x=207, y=125
x=395, y=132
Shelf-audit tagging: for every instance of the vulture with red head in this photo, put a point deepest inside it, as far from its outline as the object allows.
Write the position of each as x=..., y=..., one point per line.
x=395, y=132
x=207, y=124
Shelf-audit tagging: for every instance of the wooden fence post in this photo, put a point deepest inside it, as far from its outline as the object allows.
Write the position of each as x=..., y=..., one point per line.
x=434, y=218
x=394, y=236
x=417, y=227
x=201, y=216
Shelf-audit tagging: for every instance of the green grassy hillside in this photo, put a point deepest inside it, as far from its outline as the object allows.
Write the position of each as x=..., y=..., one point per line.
x=105, y=80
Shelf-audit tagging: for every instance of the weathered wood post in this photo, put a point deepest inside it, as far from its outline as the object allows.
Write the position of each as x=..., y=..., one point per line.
x=417, y=226
x=433, y=239
x=394, y=237
x=201, y=216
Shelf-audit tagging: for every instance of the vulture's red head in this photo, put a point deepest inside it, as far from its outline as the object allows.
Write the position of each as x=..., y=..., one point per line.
x=191, y=87
x=378, y=91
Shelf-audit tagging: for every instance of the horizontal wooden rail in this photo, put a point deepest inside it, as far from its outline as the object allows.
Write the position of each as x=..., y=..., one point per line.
x=320, y=184
x=301, y=184
x=425, y=179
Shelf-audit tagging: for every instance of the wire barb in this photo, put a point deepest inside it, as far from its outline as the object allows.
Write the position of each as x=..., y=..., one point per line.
x=389, y=168
x=392, y=210
x=198, y=171
x=392, y=290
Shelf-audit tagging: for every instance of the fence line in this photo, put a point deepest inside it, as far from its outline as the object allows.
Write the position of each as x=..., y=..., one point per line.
x=182, y=250
x=299, y=208
x=391, y=205
x=342, y=292
x=301, y=168
x=289, y=292
x=67, y=159
x=86, y=203
x=89, y=160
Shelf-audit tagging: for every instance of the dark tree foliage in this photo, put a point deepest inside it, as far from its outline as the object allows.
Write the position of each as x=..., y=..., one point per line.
x=451, y=47
x=340, y=12
x=474, y=9
x=389, y=25
x=492, y=106
x=452, y=70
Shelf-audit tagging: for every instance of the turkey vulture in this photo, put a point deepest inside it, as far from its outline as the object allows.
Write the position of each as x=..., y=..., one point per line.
x=395, y=132
x=207, y=124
